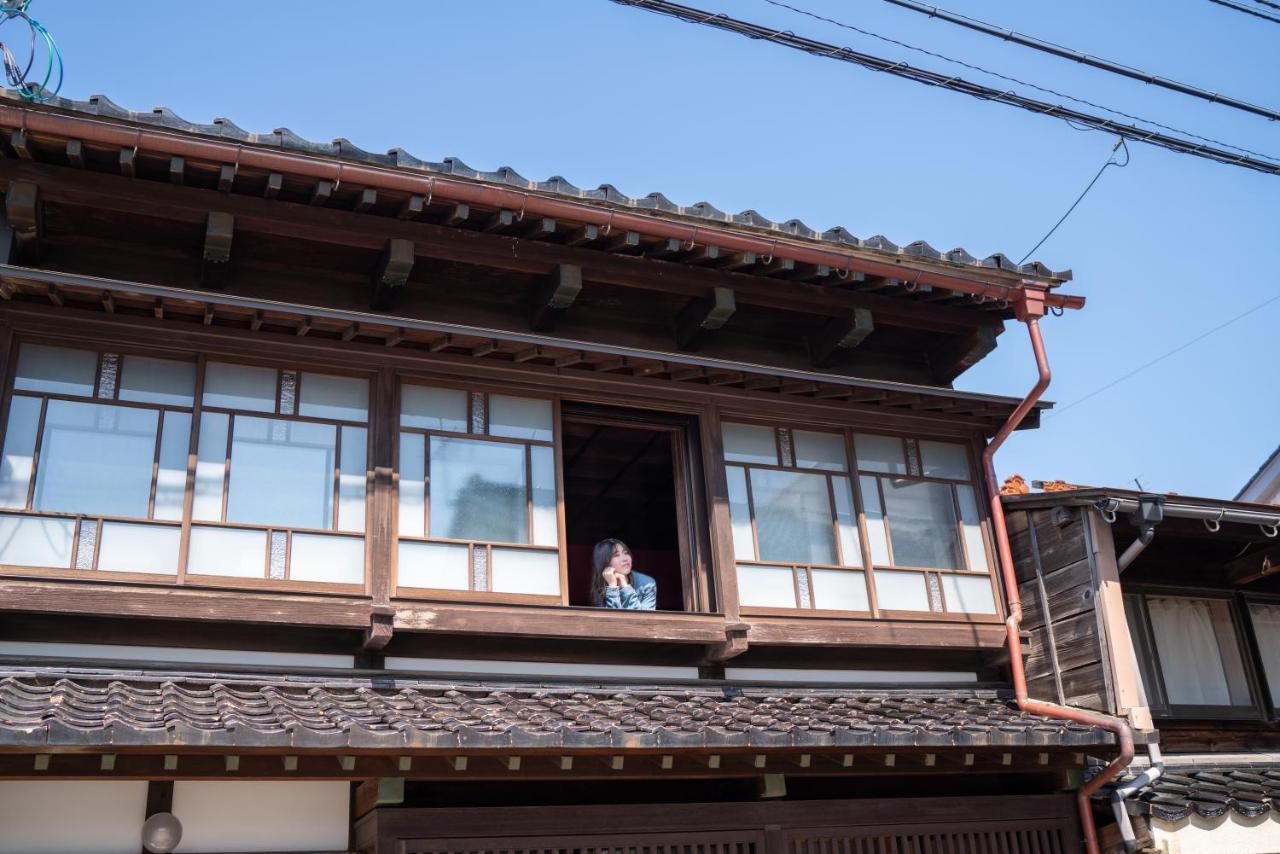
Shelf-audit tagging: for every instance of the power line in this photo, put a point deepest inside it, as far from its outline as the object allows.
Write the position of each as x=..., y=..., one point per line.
x=1053, y=92
x=1267, y=3
x=1158, y=359
x=956, y=84
x=1005, y=34
x=1111, y=161
x=1240, y=7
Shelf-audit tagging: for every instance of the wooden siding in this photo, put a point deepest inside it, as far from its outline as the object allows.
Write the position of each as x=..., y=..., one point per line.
x=1058, y=585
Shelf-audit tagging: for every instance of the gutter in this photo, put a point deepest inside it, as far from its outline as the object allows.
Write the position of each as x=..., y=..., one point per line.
x=1029, y=309
x=488, y=196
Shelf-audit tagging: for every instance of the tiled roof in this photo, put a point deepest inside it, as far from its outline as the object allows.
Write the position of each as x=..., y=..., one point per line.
x=1210, y=792
x=55, y=707
x=606, y=194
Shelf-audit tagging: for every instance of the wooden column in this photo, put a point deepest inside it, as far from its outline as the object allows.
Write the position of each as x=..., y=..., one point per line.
x=723, y=569
x=380, y=530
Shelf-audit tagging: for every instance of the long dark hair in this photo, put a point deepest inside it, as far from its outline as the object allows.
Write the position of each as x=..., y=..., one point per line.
x=600, y=558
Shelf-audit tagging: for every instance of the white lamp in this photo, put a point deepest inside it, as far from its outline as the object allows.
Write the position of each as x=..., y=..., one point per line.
x=161, y=833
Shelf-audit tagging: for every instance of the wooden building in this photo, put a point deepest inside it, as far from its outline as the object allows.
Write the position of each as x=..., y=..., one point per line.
x=1164, y=609
x=305, y=451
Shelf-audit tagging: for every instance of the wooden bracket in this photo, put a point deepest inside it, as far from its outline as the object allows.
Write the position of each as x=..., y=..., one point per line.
x=704, y=315
x=25, y=213
x=840, y=333
x=554, y=296
x=382, y=792
x=954, y=358
x=393, y=271
x=218, y=233
x=735, y=643
x=380, y=629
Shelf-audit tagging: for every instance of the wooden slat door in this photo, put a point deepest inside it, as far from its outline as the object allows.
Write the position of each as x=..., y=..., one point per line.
x=713, y=842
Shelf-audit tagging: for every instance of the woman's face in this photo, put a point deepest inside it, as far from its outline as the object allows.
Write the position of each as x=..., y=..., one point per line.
x=621, y=561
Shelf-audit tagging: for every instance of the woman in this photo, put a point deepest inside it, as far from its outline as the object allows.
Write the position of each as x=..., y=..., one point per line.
x=615, y=584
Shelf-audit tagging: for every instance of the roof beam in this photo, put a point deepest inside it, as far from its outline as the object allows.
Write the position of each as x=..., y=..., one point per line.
x=554, y=296
x=840, y=333
x=24, y=211
x=1252, y=567
x=216, y=258
x=952, y=358
x=704, y=315
x=329, y=225
x=411, y=207
x=393, y=272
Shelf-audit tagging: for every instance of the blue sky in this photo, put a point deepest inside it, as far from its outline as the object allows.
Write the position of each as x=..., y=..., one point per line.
x=1164, y=249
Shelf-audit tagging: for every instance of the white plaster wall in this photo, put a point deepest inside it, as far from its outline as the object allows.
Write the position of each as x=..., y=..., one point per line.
x=84, y=816
x=273, y=816
x=1231, y=833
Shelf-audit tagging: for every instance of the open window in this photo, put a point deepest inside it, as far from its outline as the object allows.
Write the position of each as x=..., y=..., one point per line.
x=627, y=475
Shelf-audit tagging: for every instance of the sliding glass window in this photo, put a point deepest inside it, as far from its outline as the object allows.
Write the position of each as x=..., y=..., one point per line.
x=96, y=477
x=908, y=539
x=478, y=508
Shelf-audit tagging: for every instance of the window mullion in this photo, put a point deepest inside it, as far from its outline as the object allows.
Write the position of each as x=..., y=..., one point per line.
x=189, y=489
x=35, y=454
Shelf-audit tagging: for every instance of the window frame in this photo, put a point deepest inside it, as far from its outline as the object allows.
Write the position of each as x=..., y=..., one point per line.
x=853, y=473
x=1152, y=671
x=470, y=388
x=280, y=362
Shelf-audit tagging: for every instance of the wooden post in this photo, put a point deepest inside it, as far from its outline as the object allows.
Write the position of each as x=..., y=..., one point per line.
x=380, y=545
x=1121, y=658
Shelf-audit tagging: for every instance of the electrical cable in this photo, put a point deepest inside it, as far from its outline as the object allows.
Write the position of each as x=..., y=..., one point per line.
x=1008, y=35
x=1053, y=92
x=1267, y=3
x=1242, y=8
x=1111, y=161
x=786, y=38
x=1241, y=316
x=17, y=75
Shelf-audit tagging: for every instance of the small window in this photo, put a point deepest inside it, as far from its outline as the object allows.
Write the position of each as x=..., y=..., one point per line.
x=1192, y=662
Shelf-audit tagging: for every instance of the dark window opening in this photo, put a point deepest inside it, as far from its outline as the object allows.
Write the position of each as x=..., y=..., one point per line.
x=626, y=476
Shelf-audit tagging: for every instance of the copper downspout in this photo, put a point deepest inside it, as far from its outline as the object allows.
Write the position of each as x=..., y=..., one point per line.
x=1029, y=310
x=489, y=196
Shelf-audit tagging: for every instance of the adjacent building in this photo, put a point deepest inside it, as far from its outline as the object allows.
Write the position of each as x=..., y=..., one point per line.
x=306, y=449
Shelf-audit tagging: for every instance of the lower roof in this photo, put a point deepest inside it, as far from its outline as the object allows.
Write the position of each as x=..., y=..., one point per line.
x=1209, y=792
x=54, y=708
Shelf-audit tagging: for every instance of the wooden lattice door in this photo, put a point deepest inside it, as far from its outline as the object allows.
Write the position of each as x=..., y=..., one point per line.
x=718, y=842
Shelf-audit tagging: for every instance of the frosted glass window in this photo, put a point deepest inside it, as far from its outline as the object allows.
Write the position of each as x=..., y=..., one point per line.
x=211, y=466
x=166, y=381
x=819, y=451
x=139, y=548
x=240, y=387
x=944, y=459
x=478, y=491
x=922, y=523
x=32, y=541
x=876, y=536
x=847, y=521
x=336, y=560
x=970, y=594
x=438, y=566
x=520, y=418
x=766, y=587
x=840, y=590
x=744, y=547
x=339, y=398
x=880, y=453
x=749, y=443
x=901, y=591
x=1266, y=625
x=971, y=529
x=19, y=448
x=543, y=468
x=96, y=458
x=1199, y=655
x=227, y=551
x=56, y=369
x=351, y=479
x=413, y=496
x=281, y=473
x=793, y=517
x=171, y=477
x=526, y=571
x=433, y=408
